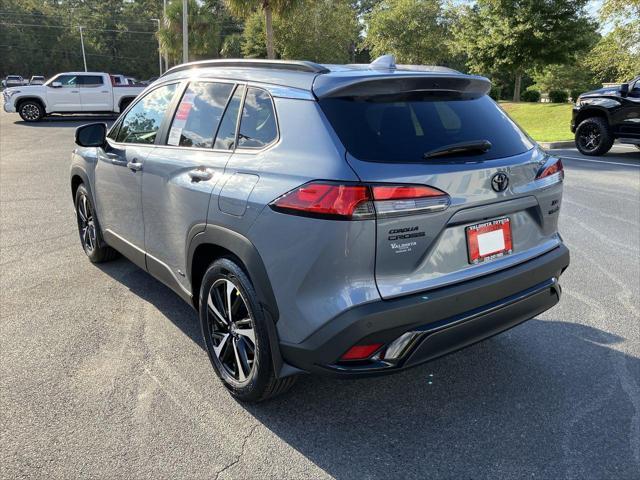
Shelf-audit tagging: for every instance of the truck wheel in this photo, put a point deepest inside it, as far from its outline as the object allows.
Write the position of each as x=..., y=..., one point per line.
x=31, y=111
x=593, y=136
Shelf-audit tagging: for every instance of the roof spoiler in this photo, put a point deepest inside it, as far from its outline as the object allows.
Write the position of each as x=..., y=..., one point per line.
x=399, y=82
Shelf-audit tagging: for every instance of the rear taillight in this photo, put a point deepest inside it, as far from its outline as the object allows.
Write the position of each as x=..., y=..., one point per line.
x=329, y=200
x=359, y=201
x=399, y=200
x=552, y=167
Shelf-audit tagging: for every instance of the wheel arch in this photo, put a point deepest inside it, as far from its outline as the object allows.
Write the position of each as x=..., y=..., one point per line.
x=210, y=242
x=125, y=102
x=592, y=112
x=79, y=176
x=40, y=101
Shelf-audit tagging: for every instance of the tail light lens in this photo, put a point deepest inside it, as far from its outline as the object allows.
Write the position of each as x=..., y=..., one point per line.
x=552, y=167
x=400, y=200
x=328, y=200
x=358, y=201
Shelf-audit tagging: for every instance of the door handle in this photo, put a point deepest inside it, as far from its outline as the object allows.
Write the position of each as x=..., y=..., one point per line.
x=198, y=175
x=134, y=165
x=104, y=91
x=75, y=91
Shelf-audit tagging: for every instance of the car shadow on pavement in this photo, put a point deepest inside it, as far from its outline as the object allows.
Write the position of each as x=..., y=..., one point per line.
x=67, y=121
x=543, y=400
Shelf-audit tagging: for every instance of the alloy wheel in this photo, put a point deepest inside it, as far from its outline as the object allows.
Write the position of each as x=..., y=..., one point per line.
x=30, y=111
x=589, y=137
x=87, y=224
x=232, y=331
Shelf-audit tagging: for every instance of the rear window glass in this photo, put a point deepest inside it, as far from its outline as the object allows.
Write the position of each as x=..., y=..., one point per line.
x=258, y=122
x=399, y=130
x=90, y=81
x=198, y=115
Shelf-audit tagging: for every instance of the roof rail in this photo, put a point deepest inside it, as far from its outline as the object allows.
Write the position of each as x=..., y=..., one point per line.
x=294, y=65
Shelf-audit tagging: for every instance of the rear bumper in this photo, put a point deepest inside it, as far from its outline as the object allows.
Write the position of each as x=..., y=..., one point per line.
x=418, y=328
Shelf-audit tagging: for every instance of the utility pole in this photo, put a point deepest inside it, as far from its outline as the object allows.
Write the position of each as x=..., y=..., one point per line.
x=164, y=19
x=159, y=53
x=185, y=33
x=84, y=58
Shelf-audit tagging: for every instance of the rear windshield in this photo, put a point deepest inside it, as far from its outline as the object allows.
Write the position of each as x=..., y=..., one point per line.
x=402, y=129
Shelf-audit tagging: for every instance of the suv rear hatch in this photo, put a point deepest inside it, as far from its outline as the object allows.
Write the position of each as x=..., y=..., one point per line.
x=495, y=195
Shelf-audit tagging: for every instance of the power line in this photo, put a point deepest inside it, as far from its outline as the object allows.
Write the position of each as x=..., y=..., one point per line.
x=76, y=26
x=68, y=52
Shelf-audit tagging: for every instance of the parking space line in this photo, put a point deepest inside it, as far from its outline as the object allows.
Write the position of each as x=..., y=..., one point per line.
x=598, y=161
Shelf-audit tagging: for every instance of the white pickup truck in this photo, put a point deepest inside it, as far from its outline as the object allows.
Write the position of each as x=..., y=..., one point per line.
x=69, y=92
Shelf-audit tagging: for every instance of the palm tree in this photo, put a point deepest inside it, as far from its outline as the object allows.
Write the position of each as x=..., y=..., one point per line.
x=244, y=8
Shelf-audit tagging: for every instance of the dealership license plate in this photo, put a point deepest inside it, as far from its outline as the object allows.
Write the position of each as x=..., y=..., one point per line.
x=489, y=240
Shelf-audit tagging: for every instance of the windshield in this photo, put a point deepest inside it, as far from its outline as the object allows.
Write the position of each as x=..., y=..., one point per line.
x=403, y=129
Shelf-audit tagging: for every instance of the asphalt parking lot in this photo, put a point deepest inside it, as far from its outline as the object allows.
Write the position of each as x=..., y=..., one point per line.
x=103, y=372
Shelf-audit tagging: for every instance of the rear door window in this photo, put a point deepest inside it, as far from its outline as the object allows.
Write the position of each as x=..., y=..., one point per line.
x=403, y=129
x=258, y=126
x=226, y=136
x=198, y=115
x=88, y=81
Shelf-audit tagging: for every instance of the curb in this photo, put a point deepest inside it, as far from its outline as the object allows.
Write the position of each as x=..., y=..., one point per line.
x=552, y=145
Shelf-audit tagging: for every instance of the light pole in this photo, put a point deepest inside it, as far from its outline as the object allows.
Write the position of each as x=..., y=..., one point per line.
x=164, y=19
x=185, y=33
x=84, y=58
x=159, y=54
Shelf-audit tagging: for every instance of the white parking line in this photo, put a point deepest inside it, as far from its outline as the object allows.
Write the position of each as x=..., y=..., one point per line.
x=598, y=161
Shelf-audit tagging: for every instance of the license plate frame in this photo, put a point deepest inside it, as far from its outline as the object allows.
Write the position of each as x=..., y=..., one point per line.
x=489, y=240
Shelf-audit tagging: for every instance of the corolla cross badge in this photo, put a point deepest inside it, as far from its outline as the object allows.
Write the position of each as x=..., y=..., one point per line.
x=500, y=182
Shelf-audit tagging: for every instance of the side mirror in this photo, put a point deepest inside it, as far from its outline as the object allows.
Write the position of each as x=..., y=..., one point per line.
x=624, y=89
x=56, y=84
x=92, y=135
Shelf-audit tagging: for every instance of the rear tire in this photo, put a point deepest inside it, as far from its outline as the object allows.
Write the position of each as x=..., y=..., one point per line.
x=235, y=334
x=593, y=137
x=89, y=229
x=31, y=111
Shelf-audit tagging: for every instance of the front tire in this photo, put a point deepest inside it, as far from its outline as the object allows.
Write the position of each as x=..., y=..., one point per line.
x=593, y=137
x=235, y=334
x=88, y=228
x=31, y=111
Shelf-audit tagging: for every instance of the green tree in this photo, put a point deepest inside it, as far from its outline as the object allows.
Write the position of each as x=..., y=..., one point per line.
x=516, y=35
x=245, y=8
x=571, y=77
x=616, y=57
x=209, y=22
x=324, y=31
x=412, y=30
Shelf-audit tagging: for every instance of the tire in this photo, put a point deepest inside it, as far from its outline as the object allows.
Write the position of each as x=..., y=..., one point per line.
x=238, y=344
x=89, y=229
x=31, y=111
x=593, y=137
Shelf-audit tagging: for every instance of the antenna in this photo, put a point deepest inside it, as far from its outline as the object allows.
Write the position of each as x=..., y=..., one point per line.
x=385, y=62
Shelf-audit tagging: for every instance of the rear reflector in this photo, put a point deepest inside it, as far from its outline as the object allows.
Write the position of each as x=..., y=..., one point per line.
x=361, y=352
x=360, y=201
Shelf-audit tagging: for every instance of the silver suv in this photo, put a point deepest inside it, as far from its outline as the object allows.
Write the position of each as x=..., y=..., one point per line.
x=347, y=220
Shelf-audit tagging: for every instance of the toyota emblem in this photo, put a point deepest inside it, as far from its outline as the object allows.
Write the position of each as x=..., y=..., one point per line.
x=500, y=182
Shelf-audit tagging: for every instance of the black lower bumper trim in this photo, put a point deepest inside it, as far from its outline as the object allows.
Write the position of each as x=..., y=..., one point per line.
x=449, y=318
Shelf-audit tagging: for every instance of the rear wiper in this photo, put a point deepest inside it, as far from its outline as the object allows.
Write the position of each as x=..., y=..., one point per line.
x=473, y=146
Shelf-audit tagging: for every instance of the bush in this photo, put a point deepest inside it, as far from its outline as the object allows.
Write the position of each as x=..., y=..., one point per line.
x=530, y=96
x=495, y=92
x=575, y=94
x=558, y=96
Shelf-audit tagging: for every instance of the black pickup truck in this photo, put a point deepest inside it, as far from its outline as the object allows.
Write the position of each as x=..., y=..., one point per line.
x=602, y=116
